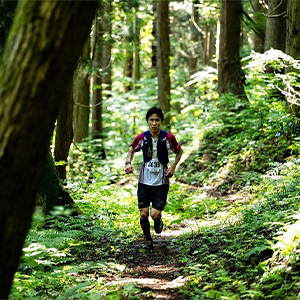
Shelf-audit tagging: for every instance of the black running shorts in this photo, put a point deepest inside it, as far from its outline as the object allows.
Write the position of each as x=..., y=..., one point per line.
x=157, y=195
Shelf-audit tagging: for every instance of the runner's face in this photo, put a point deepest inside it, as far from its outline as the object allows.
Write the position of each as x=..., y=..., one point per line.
x=154, y=123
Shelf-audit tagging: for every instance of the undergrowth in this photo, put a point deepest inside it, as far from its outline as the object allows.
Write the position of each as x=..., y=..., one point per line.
x=254, y=254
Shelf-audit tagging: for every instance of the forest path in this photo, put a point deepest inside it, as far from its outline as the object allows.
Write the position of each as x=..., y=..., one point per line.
x=157, y=273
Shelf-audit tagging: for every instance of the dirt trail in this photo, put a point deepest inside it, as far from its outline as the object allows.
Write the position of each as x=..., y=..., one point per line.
x=155, y=272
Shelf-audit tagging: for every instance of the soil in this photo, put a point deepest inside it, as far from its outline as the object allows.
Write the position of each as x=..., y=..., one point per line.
x=157, y=273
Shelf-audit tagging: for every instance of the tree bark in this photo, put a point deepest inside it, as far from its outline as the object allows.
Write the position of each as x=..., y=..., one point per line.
x=97, y=97
x=229, y=64
x=276, y=25
x=64, y=132
x=163, y=60
x=293, y=29
x=128, y=53
x=209, y=45
x=106, y=56
x=51, y=192
x=81, y=97
x=260, y=25
x=37, y=64
x=97, y=126
x=154, y=37
x=136, y=49
x=194, y=53
x=293, y=40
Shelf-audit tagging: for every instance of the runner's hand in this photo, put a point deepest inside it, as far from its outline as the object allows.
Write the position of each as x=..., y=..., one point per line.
x=129, y=169
x=170, y=171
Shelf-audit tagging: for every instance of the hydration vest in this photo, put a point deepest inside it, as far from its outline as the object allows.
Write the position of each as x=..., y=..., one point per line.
x=162, y=150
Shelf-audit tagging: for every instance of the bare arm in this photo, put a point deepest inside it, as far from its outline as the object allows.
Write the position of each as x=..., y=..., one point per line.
x=129, y=158
x=171, y=169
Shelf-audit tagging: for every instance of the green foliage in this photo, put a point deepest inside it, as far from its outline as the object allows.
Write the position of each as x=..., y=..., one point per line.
x=240, y=258
x=236, y=140
x=234, y=199
x=58, y=258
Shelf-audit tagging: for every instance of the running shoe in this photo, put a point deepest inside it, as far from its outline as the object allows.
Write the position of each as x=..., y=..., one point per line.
x=149, y=245
x=158, y=226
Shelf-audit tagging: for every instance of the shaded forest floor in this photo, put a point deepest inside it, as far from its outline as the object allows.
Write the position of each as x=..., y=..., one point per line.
x=157, y=273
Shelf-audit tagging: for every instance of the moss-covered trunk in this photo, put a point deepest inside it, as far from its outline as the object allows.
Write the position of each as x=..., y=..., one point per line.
x=51, y=192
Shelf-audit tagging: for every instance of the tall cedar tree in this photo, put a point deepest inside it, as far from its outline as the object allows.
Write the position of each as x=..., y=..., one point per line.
x=293, y=38
x=81, y=97
x=37, y=65
x=260, y=25
x=97, y=124
x=276, y=25
x=230, y=78
x=97, y=97
x=163, y=60
x=107, y=48
x=64, y=132
x=194, y=54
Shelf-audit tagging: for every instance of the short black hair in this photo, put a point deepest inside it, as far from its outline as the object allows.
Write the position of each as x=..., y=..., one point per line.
x=155, y=110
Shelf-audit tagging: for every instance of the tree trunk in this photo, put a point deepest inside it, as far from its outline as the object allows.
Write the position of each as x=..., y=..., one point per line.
x=154, y=37
x=212, y=47
x=97, y=97
x=229, y=64
x=260, y=25
x=64, y=132
x=293, y=29
x=194, y=53
x=106, y=57
x=128, y=53
x=97, y=128
x=276, y=25
x=51, y=193
x=209, y=46
x=163, y=60
x=37, y=64
x=128, y=68
x=136, y=49
x=293, y=39
x=81, y=97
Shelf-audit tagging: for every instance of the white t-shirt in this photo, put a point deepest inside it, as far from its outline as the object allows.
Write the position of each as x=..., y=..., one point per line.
x=153, y=172
x=153, y=169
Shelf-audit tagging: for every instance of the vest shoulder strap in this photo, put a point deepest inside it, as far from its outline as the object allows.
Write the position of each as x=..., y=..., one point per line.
x=147, y=134
x=163, y=133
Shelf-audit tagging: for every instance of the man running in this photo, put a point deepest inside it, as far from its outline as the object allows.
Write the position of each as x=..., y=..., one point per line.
x=153, y=183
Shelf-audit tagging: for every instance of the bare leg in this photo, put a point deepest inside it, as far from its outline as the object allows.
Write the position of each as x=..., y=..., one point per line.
x=155, y=214
x=158, y=223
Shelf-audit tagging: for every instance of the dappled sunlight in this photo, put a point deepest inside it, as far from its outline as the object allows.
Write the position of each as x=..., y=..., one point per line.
x=158, y=287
